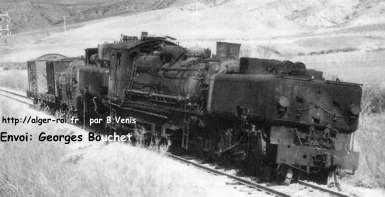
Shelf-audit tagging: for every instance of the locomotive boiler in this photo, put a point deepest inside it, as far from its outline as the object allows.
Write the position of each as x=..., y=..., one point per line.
x=272, y=116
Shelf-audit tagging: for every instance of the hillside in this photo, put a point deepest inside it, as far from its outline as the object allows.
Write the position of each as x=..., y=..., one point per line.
x=35, y=14
x=274, y=28
x=330, y=35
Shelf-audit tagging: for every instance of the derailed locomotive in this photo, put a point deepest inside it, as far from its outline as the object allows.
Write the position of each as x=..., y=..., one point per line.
x=272, y=115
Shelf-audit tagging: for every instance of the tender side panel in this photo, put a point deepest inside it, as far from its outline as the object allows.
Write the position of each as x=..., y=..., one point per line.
x=288, y=101
x=231, y=92
x=318, y=103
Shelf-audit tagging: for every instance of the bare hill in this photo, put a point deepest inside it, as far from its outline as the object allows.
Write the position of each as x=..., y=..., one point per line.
x=35, y=14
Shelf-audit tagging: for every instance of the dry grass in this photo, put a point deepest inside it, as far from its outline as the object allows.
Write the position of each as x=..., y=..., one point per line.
x=370, y=138
x=373, y=99
x=38, y=170
x=369, y=141
x=15, y=79
x=50, y=169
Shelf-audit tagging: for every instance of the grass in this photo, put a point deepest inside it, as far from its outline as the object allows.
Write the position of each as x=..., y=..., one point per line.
x=38, y=170
x=15, y=79
x=373, y=99
x=52, y=169
x=370, y=138
x=369, y=141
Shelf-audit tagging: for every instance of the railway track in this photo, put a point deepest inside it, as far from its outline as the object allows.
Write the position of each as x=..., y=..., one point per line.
x=243, y=181
x=16, y=96
x=255, y=185
x=314, y=186
x=25, y=100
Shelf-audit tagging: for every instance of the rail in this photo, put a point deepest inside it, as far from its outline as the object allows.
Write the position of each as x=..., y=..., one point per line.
x=15, y=96
x=252, y=184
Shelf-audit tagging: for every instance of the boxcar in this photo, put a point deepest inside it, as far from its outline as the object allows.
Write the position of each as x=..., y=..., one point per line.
x=43, y=74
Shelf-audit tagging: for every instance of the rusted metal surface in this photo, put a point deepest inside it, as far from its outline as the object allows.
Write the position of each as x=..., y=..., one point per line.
x=311, y=102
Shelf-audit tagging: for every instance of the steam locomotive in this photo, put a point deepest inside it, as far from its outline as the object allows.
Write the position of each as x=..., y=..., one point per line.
x=275, y=116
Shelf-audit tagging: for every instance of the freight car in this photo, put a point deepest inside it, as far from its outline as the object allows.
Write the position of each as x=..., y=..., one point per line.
x=42, y=77
x=274, y=116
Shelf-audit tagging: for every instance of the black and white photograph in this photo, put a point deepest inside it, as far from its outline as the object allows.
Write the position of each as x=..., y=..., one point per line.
x=192, y=98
